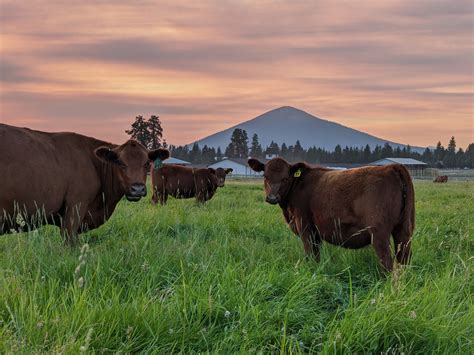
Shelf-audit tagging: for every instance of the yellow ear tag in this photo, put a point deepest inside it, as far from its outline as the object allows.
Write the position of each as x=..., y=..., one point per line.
x=297, y=173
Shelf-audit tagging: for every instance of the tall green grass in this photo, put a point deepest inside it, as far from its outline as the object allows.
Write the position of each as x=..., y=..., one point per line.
x=229, y=276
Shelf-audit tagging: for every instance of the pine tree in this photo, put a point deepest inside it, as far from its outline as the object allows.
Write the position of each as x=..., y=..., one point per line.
x=387, y=151
x=273, y=148
x=139, y=131
x=298, y=151
x=367, y=154
x=155, y=132
x=238, y=146
x=256, y=148
x=450, y=156
x=195, y=155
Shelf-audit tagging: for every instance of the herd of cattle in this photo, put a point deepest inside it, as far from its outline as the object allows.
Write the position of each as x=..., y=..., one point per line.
x=75, y=182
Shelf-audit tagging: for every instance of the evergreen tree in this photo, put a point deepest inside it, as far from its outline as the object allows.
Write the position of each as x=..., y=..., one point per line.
x=195, y=155
x=139, y=131
x=367, y=154
x=337, y=157
x=450, y=155
x=238, y=146
x=208, y=155
x=256, y=149
x=155, y=132
x=147, y=132
x=439, y=153
x=273, y=148
x=469, y=156
x=387, y=151
x=298, y=151
x=285, y=152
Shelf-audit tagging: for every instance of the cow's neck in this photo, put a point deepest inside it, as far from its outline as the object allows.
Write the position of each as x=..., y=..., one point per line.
x=111, y=191
x=295, y=196
x=287, y=200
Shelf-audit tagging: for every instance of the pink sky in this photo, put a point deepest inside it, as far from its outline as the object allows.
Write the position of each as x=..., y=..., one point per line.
x=400, y=70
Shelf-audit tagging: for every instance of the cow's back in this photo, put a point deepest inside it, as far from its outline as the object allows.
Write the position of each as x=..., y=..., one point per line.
x=349, y=201
x=175, y=180
x=184, y=182
x=362, y=192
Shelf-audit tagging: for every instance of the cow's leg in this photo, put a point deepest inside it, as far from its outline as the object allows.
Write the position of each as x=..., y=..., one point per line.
x=154, y=197
x=310, y=237
x=290, y=221
x=381, y=244
x=163, y=198
x=71, y=223
x=202, y=196
x=402, y=246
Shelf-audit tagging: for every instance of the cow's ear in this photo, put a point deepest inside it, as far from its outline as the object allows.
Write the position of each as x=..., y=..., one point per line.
x=256, y=165
x=159, y=153
x=298, y=169
x=228, y=171
x=211, y=170
x=107, y=155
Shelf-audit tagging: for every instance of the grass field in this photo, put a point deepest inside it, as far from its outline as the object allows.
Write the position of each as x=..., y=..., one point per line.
x=229, y=277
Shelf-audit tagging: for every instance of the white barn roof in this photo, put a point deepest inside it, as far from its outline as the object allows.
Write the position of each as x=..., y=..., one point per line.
x=403, y=161
x=239, y=166
x=176, y=161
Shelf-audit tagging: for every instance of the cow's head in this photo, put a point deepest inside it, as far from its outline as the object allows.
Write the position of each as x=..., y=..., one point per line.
x=132, y=162
x=221, y=175
x=278, y=177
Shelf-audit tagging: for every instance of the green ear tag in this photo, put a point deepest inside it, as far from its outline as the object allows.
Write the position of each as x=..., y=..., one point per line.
x=158, y=163
x=297, y=173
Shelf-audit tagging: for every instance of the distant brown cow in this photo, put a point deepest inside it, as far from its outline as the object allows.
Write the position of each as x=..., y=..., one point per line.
x=67, y=179
x=441, y=179
x=351, y=208
x=183, y=182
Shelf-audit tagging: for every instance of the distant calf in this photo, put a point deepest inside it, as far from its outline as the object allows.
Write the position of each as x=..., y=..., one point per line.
x=351, y=208
x=441, y=179
x=183, y=182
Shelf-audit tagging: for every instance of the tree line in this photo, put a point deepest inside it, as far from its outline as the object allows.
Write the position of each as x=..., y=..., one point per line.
x=150, y=134
x=239, y=147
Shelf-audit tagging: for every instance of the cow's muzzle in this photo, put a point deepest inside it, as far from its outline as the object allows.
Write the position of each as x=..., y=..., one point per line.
x=272, y=199
x=137, y=191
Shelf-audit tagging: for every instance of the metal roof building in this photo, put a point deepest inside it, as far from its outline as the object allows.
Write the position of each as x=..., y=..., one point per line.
x=238, y=165
x=415, y=167
x=408, y=162
x=175, y=161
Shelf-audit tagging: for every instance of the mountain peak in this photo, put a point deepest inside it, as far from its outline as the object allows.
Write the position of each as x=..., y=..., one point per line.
x=287, y=124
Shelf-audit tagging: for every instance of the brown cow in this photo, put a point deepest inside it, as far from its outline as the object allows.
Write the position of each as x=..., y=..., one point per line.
x=183, y=182
x=351, y=208
x=67, y=179
x=441, y=179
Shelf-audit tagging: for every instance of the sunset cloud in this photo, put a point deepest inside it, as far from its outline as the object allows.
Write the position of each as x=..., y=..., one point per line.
x=400, y=70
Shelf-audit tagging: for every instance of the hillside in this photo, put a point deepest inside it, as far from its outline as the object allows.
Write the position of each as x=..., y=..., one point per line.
x=288, y=124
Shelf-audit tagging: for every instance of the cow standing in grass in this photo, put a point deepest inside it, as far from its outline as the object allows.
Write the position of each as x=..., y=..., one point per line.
x=351, y=208
x=183, y=182
x=441, y=179
x=67, y=179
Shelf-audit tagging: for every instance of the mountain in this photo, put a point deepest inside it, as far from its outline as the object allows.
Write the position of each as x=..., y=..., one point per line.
x=288, y=124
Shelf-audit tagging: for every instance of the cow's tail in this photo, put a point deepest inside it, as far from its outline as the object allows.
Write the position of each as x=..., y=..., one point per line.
x=407, y=217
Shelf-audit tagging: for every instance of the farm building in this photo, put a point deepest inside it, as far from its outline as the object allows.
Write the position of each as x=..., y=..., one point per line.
x=415, y=167
x=176, y=161
x=238, y=165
